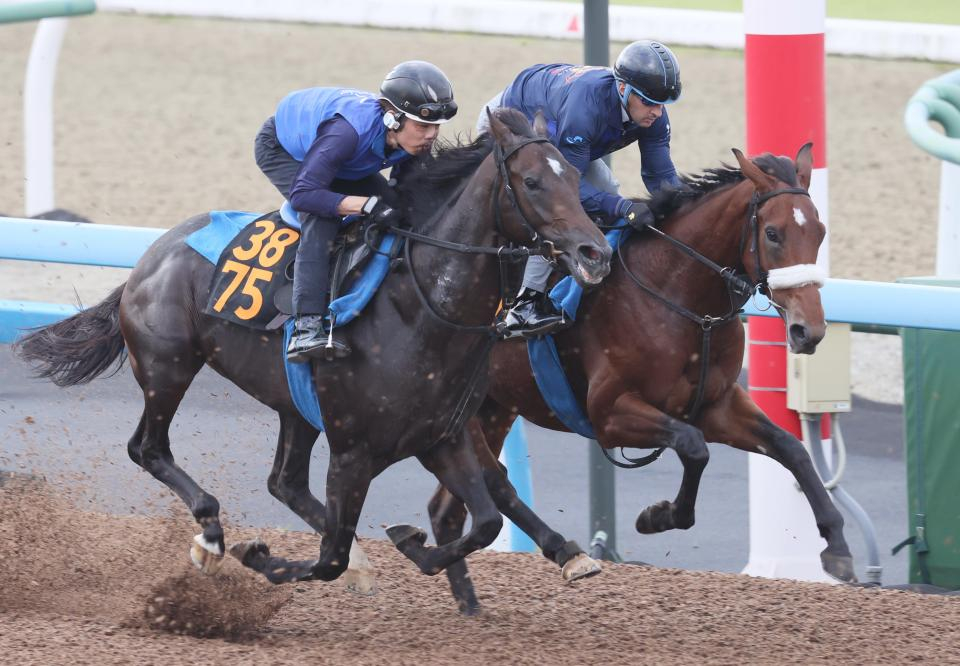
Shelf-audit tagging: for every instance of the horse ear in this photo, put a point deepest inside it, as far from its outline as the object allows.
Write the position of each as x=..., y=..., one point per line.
x=762, y=181
x=805, y=164
x=498, y=128
x=540, y=125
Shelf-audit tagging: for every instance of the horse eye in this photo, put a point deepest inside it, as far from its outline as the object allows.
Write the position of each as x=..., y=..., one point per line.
x=531, y=183
x=772, y=235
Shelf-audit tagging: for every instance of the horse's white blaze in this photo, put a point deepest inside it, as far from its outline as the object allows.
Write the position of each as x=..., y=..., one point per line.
x=799, y=216
x=800, y=275
x=555, y=165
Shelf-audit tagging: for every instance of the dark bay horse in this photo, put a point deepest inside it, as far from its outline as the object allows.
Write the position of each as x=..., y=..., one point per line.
x=420, y=351
x=634, y=357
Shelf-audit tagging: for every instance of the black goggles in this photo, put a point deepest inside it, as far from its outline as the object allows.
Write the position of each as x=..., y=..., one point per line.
x=651, y=99
x=432, y=112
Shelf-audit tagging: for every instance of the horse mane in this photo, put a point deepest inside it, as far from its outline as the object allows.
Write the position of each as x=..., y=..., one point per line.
x=427, y=182
x=668, y=200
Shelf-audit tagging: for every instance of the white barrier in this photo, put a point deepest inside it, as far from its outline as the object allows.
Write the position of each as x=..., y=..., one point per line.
x=881, y=39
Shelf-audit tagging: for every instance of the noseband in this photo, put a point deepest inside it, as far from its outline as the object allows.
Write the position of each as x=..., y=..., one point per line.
x=753, y=229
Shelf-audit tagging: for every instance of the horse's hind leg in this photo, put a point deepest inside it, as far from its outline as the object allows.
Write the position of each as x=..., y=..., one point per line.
x=348, y=479
x=164, y=378
x=289, y=482
x=738, y=421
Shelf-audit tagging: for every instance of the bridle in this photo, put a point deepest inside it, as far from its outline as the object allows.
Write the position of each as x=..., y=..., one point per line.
x=753, y=229
x=506, y=254
x=740, y=287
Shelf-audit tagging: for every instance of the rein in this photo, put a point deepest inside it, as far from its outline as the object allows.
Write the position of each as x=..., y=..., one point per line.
x=505, y=254
x=738, y=290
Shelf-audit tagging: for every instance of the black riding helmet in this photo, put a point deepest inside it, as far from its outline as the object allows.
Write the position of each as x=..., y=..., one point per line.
x=649, y=69
x=420, y=91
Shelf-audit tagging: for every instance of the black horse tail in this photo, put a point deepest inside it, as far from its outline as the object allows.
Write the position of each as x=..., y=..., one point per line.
x=79, y=348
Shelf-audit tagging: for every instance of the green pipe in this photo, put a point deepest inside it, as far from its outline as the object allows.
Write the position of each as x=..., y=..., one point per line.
x=33, y=11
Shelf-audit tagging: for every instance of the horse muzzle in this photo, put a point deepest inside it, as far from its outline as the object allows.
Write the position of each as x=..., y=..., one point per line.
x=588, y=264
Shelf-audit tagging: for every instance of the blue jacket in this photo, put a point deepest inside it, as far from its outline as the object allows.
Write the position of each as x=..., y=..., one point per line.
x=336, y=133
x=584, y=114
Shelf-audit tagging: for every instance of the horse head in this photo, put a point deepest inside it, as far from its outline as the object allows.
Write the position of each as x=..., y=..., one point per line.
x=781, y=241
x=540, y=197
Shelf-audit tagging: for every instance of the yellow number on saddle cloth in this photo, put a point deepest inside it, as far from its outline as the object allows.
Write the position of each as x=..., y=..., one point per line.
x=257, y=259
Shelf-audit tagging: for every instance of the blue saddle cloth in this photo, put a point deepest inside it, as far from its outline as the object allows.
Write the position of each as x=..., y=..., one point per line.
x=210, y=241
x=545, y=361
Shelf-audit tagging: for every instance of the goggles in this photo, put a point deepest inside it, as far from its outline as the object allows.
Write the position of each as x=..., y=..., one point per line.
x=434, y=112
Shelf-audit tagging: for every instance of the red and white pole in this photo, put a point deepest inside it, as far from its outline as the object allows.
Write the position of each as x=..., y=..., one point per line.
x=785, y=109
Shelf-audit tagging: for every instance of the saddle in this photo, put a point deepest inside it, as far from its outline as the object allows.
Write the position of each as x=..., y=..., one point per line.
x=253, y=282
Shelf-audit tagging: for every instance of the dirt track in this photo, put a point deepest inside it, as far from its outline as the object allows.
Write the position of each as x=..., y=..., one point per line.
x=155, y=120
x=81, y=588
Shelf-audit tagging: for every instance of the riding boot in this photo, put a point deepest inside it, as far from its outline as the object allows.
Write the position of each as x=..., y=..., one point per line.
x=311, y=339
x=533, y=315
x=311, y=281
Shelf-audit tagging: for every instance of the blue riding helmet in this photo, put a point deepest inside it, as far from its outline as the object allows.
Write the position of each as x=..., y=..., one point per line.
x=650, y=70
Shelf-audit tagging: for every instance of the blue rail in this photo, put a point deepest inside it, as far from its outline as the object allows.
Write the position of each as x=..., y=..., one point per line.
x=886, y=304
x=75, y=242
x=851, y=301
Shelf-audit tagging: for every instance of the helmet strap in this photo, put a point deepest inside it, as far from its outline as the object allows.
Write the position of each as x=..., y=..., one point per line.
x=625, y=96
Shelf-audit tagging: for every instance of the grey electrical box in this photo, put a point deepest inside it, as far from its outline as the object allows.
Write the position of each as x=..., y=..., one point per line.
x=820, y=383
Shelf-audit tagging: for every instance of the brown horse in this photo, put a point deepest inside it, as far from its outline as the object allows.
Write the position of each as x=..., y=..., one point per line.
x=651, y=372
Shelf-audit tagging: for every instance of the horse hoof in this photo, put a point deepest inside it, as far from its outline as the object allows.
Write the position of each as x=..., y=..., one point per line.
x=839, y=567
x=360, y=582
x=469, y=610
x=399, y=534
x=656, y=518
x=207, y=556
x=359, y=577
x=580, y=566
x=245, y=550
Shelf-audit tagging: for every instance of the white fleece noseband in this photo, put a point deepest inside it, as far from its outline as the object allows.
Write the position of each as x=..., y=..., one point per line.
x=791, y=277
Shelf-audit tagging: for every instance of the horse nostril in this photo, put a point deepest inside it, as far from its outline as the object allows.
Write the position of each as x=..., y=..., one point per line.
x=590, y=253
x=798, y=333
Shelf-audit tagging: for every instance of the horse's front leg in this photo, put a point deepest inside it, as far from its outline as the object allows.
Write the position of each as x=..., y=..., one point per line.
x=455, y=465
x=348, y=480
x=738, y=421
x=631, y=422
x=447, y=512
x=289, y=482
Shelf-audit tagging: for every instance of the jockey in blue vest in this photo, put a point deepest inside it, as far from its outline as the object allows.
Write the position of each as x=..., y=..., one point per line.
x=592, y=112
x=324, y=150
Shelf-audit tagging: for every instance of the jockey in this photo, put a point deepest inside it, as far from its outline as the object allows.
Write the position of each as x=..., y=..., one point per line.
x=592, y=112
x=324, y=150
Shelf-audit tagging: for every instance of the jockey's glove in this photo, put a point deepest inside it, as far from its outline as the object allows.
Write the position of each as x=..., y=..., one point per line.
x=378, y=212
x=638, y=215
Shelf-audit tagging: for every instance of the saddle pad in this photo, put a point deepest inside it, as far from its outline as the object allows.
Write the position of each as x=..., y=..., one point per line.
x=545, y=362
x=554, y=387
x=566, y=293
x=253, y=253
x=250, y=269
x=300, y=381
